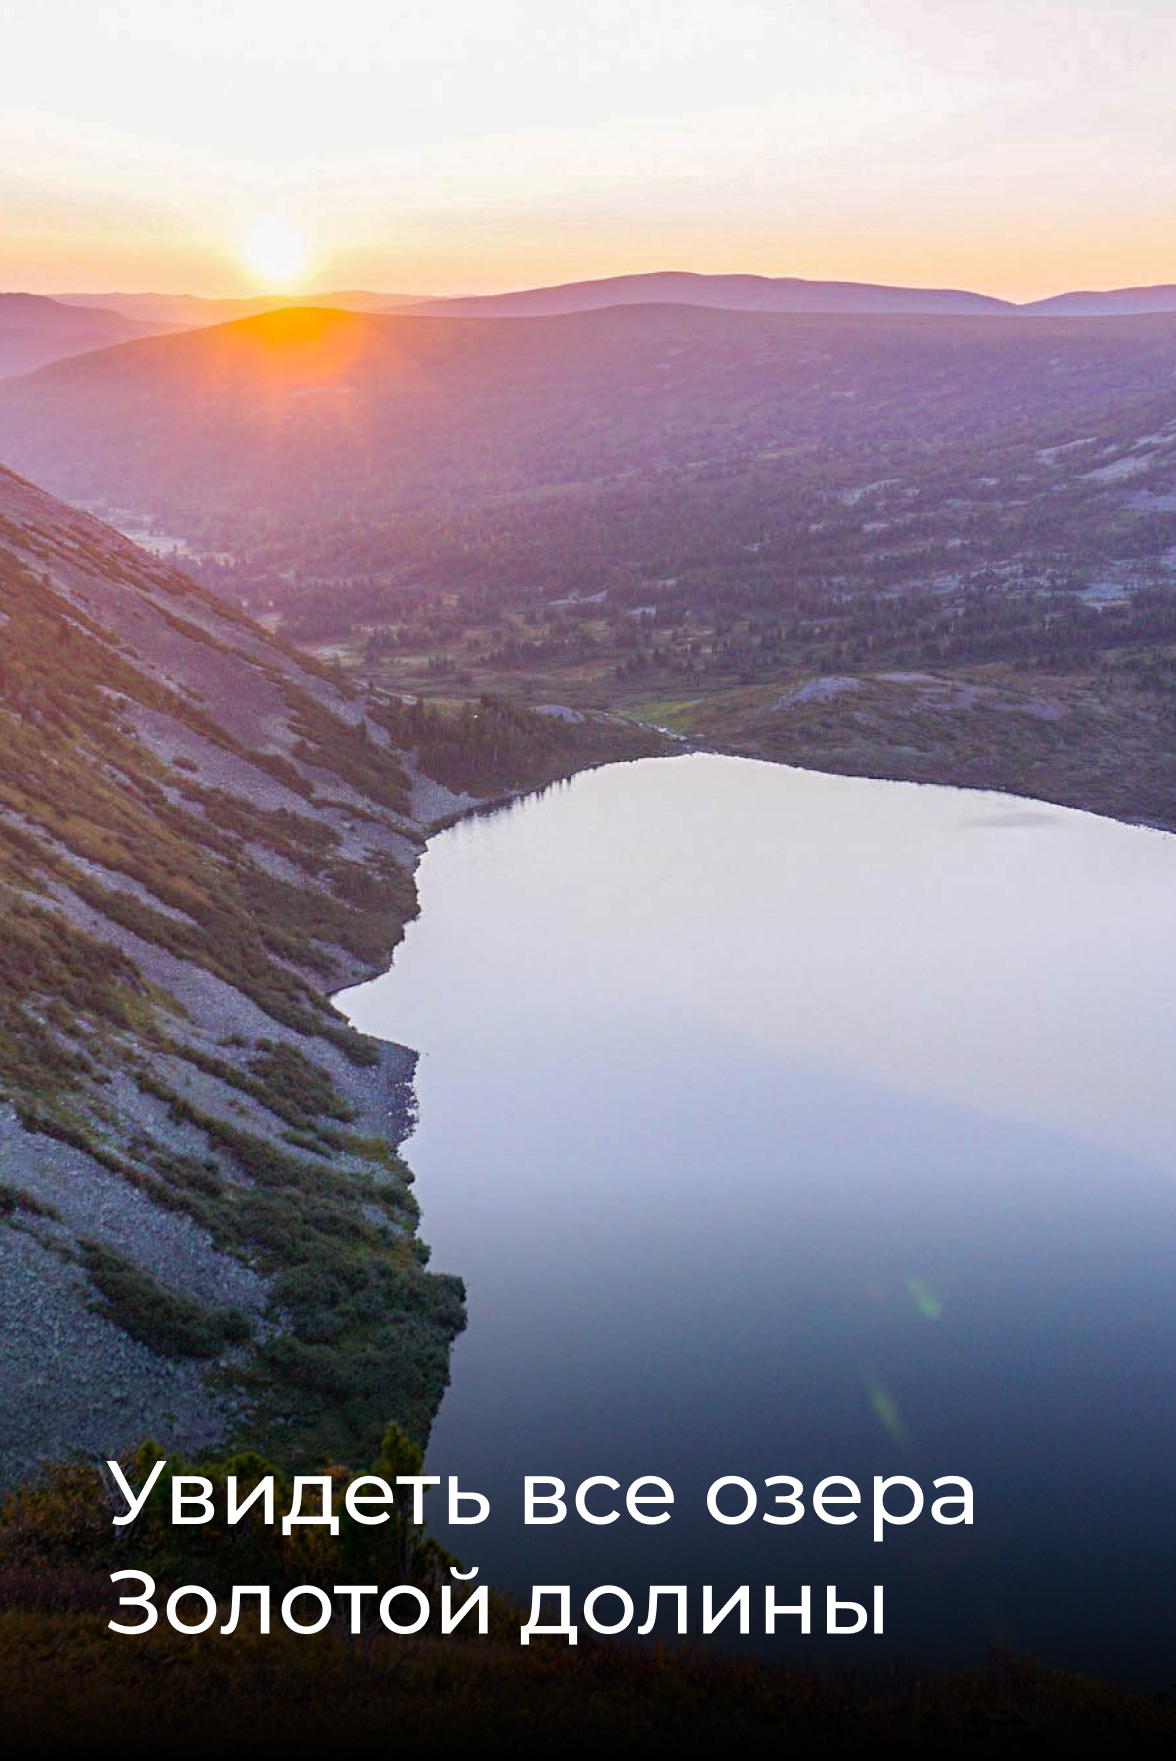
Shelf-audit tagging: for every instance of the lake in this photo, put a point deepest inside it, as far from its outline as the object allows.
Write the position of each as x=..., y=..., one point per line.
x=784, y=1123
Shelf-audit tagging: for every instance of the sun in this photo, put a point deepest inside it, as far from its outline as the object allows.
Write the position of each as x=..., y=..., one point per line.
x=275, y=251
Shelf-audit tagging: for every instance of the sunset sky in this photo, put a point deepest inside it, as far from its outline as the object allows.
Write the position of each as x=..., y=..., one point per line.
x=1013, y=146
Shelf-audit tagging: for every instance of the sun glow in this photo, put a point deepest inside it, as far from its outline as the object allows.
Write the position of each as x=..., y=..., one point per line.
x=275, y=251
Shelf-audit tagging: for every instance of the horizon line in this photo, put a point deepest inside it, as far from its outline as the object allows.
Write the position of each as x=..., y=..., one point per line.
x=515, y=290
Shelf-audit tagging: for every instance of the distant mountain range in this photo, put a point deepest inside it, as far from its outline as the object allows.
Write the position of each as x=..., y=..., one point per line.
x=742, y=293
x=1119, y=302
x=35, y=330
x=762, y=293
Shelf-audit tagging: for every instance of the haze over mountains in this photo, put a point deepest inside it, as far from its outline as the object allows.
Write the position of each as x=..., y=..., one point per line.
x=35, y=330
x=1116, y=302
x=188, y=311
x=748, y=293
x=761, y=293
x=757, y=293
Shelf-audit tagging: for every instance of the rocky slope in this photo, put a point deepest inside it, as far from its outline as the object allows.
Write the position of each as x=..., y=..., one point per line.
x=205, y=1232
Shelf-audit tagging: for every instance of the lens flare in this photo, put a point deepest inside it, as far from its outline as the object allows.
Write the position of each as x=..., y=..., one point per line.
x=924, y=1299
x=886, y=1411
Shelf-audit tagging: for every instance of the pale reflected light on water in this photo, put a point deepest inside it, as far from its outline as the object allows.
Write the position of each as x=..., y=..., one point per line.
x=784, y=1123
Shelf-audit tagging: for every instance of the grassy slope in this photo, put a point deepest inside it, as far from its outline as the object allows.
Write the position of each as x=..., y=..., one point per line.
x=200, y=835
x=148, y=883
x=1071, y=739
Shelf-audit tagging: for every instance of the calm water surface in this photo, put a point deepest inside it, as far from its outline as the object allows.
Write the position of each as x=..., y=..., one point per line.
x=785, y=1123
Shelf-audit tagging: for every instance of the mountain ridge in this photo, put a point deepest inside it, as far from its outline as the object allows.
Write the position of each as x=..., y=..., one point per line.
x=743, y=292
x=1109, y=302
x=736, y=291
x=729, y=292
x=36, y=330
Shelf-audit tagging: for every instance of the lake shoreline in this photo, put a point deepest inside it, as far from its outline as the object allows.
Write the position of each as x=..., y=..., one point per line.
x=761, y=965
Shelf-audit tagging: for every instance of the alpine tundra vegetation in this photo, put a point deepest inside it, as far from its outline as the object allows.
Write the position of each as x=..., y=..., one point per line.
x=206, y=1232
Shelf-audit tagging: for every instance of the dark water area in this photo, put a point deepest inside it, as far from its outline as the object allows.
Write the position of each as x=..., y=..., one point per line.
x=792, y=1124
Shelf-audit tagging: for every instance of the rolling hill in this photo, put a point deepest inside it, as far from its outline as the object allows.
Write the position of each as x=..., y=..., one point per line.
x=760, y=293
x=191, y=311
x=1116, y=302
x=743, y=293
x=750, y=453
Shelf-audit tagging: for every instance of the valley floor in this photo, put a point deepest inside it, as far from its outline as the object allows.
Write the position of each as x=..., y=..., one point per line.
x=1096, y=740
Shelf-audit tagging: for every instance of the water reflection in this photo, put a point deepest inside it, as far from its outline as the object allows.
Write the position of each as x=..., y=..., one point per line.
x=783, y=1123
